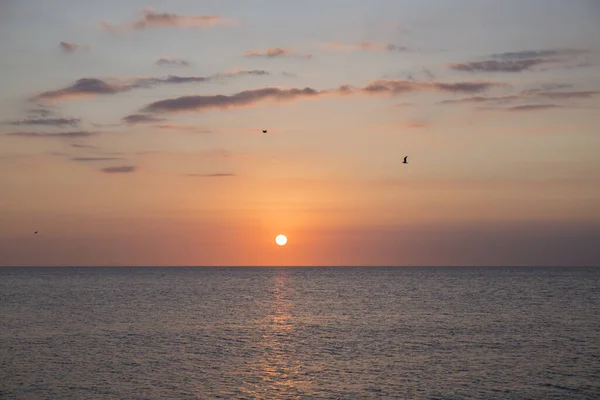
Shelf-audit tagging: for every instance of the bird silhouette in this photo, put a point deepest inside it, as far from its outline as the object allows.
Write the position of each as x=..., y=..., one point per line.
x=405, y=162
x=35, y=233
x=264, y=131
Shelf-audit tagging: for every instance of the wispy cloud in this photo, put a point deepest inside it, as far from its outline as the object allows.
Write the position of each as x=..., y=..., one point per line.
x=481, y=99
x=93, y=87
x=533, y=54
x=47, y=121
x=528, y=95
x=364, y=46
x=166, y=61
x=499, y=65
x=77, y=145
x=520, y=61
x=151, y=19
x=141, y=119
x=404, y=86
x=532, y=107
x=84, y=87
x=210, y=175
x=72, y=47
x=585, y=94
x=273, y=52
x=119, y=170
x=46, y=135
x=251, y=97
x=94, y=159
x=177, y=127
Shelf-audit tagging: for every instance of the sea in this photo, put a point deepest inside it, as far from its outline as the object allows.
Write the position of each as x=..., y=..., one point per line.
x=299, y=333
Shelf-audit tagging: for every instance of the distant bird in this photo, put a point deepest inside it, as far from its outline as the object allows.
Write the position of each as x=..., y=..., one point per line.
x=405, y=162
x=264, y=131
x=35, y=233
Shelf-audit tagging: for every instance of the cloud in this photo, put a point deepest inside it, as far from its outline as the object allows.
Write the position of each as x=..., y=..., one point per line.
x=84, y=87
x=404, y=86
x=481, y=99
x=498, y=66
x=586, y=94
x=404, y=105
x=151, y=19
x=241, y=99
x=82, y=146
x=72, y=47
x=519, y=61
x=364, y=46
x=273, y=52
x=210, y=175
x=47, y=121
x=527, y=95
x=41, y=135
x=183, y=128
x=141, y=119
x=173, y=61
x=251, y=97
x=119, y=170
x=532, y=107
x=93, y=86
x=94, y=159
x=532, y=54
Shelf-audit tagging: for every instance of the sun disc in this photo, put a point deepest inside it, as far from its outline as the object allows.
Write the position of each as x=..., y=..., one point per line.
x=281, y=240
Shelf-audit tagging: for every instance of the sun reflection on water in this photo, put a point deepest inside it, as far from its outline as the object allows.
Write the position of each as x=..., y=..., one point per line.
x=278, y=365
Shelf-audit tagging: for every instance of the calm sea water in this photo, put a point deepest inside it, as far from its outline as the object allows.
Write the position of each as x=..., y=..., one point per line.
x=299, y=333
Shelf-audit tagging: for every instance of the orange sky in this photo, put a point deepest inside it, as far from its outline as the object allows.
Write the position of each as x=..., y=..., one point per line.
x=138, y=140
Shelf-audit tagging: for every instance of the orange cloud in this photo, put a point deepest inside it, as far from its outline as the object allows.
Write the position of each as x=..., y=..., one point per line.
x=151, y=19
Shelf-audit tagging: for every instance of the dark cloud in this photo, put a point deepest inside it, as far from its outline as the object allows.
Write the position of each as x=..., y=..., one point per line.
x=481, y=99
x=172, y=61
x=498, y=66
x=68, y=135
x=527, y=95
x=119, y=170
x=250, y=97
x=364, y=46
x=151, y=19
x=94, y=159
x=245, y=98
x=586, y=94
x=404, y=86
x=532, y=107
x=273, y=52
x=518, y=61
x=141, y=119
x=532, y=54
x=82, y=146
x=47, y=121
x=84, y=87
x=72, y=47
x=210, y=175
x=93, y=86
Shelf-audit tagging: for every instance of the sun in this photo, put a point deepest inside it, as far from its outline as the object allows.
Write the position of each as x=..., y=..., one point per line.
x=281, y=240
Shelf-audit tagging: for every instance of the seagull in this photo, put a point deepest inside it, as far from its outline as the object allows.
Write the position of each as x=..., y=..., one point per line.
x=405, y=162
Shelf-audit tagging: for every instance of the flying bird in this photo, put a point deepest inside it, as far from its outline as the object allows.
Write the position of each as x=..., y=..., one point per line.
x=264, y=131
x=35, y=233
x=405, y=162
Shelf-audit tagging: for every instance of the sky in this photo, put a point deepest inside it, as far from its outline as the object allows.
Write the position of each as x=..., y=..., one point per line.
x=131, y=132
